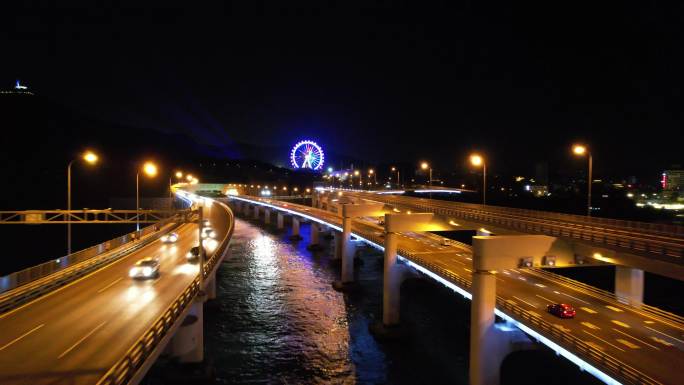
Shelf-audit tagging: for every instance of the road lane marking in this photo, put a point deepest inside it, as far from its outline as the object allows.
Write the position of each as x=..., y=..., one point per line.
x=649, y=322
x=110, y=285
x=591, y=325
x=615, y=309
x=511, y=302
x=620, y=323
x=21, y=336
x=545, y=299
x=601, y=339
x=588, y=310
x=661, y=341
x=468, y=270
x=658, y=331
x=81, y=340
x=523, y=301
x=636, y=339
x=539, y=284
x=562, y=328
x=628, y=344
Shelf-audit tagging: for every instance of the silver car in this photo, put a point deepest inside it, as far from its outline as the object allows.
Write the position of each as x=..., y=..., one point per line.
x=169, y=238
x=145, y=269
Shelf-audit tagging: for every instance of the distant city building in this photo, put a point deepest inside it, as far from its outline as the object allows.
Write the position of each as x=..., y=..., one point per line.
x=673, y=180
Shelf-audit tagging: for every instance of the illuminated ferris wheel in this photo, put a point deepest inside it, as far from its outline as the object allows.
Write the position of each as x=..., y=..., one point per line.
x=307, y=154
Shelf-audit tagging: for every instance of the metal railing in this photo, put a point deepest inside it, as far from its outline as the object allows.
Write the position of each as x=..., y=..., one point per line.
x=145, y=346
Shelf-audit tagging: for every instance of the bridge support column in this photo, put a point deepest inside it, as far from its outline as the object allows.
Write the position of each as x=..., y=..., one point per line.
x=280, y=220
x=188, y=343
x=267, y=216
x=256, y=211
x=629, y=284
x=391, y=282
x=337, y=245
x=246, y=209
x=314, y=244
x=295, y=229
x=347, y=255
x=481, y=329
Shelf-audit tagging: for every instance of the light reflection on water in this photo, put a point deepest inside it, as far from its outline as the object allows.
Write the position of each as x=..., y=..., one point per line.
x=280, y=321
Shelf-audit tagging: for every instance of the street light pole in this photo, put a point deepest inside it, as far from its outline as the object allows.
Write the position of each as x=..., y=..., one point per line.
x=90, y=158
x=589, y=183
x=484, y=183
x=137, y=201
x=477, y=160
x=580, y=150
x=69, y=206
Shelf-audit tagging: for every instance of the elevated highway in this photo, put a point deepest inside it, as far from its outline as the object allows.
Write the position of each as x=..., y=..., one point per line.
x=107, y=328
x=616, y=342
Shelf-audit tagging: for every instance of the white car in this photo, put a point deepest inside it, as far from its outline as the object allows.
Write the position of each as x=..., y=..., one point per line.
x=145, y=269
x=169, y=238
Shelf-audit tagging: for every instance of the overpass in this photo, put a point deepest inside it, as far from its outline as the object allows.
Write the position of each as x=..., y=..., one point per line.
x=88, y=322
x=634, y=247
x=616, y=342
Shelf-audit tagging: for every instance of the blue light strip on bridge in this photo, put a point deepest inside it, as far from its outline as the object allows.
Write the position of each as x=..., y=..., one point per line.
x=583, y=365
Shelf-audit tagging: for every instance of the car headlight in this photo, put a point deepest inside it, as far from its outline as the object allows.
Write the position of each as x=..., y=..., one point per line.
x=164, y=238
x=133, y=272
x=147, y=271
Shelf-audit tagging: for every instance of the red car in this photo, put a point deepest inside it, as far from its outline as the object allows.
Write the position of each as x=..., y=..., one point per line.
x=562, y=310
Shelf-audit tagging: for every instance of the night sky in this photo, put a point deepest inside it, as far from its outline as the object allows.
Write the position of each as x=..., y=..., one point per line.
x=383, y=81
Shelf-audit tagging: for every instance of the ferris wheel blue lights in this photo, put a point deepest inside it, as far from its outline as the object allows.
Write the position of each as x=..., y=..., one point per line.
x=307, y=154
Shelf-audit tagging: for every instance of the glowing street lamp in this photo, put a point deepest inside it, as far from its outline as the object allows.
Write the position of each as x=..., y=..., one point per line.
x=179, y=174
x=90, y=158
x=189, y=177
x=426, y=166
x=478, y=160
x=581, y=150
x=149, y=169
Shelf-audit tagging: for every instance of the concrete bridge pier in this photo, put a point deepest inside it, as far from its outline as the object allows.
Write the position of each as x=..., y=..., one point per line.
x=488, y=346
x=256, y=211
x=295, y=229
x=314, y=244
x=267, y=216
x=347, y=255
x=280, y=221
x=391, y=284
x=187, y=345
x=246, y=209
x=629, y=284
